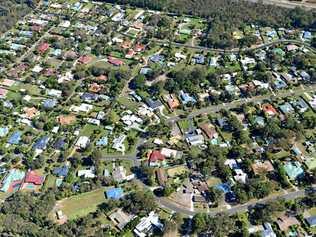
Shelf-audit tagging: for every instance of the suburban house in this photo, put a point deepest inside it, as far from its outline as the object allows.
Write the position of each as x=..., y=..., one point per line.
x=61, y=171
x=12, y=181
x=171, y=153
x=32, y=179
x=87, y=173
x=114, y=193
x=268, y=231
x=118, y=143
x=120, y=218
x=284, y=222
x=83, y=142
x=155, y=158
x=119, y=174
x=147, y=224
x=43, y=48
x=311, y=220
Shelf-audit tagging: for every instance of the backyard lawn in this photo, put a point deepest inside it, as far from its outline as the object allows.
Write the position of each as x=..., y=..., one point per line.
x=49, y=181
x=82, y=204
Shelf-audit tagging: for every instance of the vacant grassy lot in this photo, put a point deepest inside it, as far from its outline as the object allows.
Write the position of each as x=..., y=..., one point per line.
x=49, y=181
x=82, y=204
x=312, y=211
x=176, y=170
x=212, y=181
x=184, y=125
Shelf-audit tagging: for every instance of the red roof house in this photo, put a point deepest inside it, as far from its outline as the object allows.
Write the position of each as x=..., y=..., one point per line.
x=269, y=109
x=43, y=48
x=130, y=53
x=156, y=156
x=85, y=59
x=32, y=177
x=139, y=47
x=115, y=61
x=102, y=78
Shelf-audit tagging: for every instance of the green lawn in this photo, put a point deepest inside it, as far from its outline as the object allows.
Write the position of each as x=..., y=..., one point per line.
x=184, y=125
x=88, y=130
x=49, y=181
x=212, y=181
x=82, y=204
x=279, y=155
x=312, y=211
x=126, y=101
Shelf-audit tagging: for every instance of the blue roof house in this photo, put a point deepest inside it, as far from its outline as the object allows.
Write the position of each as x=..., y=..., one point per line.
x=59, y=144
x=15, y=138
x=26, y=33
x=103, y=141
x=114, y=193
x=61, y=171
x=294, y=170
x=89, y=97
x=300, y=105
x=272, y=33
x=145, y=70
x=259, y=120
x=13, y=176
x=49, y=103
x=311, y=221
x=4, y=131
x=224, y=187
x=286, y=108
x=41, y=143
x=307, y=35
x=186, y=98
x=157, y=58
x=76, y=6
x=198, y=59
x=56, y=52
x=279, y=84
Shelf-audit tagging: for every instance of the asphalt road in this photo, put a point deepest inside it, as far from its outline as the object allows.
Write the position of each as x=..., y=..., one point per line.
x=236, y=50
x=236, y=103
x=287, y=3
x=164, y=202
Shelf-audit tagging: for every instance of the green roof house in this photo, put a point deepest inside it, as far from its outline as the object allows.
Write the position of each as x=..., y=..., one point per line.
x=293, y=170
x=12, y=180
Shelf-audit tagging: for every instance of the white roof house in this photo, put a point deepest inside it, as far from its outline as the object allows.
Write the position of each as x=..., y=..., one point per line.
x=94, y=121
x=195, y=140
x=54, y=92
x=170, y=152
x=82, y=108
x=119, y=174
x=240, y=176
x=87, y=173
x=146, y=225
x=65, y=24
x=118, y=143
x=68, y=76
x=83, y=142
x=268, y=231
x=37, y=69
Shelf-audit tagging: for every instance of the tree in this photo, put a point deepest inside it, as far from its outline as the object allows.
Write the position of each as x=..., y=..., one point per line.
x=199, y=222
x=168, y=190
x=139, y=202
x=221, y=225
x=216, y=195
x=114, y=118
x=138, y=82
x=313, y=42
